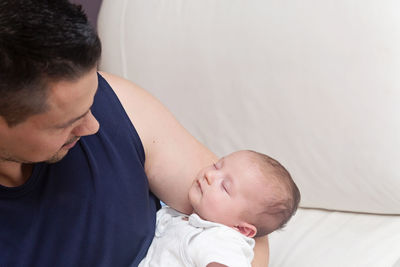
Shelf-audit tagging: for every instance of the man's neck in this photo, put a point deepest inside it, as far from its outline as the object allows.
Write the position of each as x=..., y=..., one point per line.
x=14, y=174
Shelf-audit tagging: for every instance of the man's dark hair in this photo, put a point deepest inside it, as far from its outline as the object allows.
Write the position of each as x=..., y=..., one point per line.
x=41, y=41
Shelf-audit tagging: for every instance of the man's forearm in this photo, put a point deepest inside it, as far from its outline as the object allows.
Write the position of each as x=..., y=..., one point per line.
x=261, y=252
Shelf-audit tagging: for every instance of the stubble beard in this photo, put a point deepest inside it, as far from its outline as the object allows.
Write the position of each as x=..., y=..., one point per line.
x=56, y=157
x=4, y=157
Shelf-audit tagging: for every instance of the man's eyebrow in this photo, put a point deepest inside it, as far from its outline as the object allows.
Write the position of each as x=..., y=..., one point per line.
x=72, y=120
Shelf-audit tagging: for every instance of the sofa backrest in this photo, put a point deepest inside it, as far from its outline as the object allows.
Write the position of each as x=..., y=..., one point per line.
x=314, y=84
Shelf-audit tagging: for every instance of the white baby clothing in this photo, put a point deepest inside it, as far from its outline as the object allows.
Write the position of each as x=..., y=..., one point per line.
x=182, y=240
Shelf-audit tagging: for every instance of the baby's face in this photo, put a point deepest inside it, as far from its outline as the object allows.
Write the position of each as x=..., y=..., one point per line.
x=223, y=191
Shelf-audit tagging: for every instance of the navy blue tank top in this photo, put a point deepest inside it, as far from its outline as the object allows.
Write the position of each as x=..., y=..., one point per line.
x=93, y=208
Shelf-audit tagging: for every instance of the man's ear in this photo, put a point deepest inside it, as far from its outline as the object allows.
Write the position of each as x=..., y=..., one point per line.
x=246, y=229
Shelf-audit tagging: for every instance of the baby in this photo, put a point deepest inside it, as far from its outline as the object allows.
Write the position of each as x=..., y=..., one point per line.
x=244, y=195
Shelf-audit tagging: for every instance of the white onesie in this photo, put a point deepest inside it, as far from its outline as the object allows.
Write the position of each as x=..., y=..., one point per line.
x=190, y=241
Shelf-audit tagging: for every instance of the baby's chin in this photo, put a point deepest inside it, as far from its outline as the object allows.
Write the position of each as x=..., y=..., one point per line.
x=192, y=199
x=203, y=215
x=200, y=215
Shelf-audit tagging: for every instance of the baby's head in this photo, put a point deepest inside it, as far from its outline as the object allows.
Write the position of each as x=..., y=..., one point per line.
x=246, y=190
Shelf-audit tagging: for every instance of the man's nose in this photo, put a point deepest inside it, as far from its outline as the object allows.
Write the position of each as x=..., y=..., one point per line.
x=89, y=126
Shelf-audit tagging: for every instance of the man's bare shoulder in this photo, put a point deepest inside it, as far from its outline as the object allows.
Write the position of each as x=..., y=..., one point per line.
x=123, y=87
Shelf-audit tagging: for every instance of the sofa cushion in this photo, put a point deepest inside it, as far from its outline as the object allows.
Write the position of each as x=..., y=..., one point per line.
x=316, y=238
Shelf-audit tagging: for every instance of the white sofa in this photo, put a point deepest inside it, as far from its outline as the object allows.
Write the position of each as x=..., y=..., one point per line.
x=315, y=84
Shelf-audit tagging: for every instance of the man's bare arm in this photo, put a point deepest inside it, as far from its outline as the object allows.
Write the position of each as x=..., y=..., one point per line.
x=216, y=264
x=261, y=252
x=173, y=156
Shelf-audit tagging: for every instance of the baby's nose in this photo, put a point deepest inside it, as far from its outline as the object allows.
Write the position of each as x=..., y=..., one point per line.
x=209, y=176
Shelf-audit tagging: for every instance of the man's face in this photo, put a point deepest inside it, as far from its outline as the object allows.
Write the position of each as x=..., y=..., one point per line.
x=48, y=136
x=224, y=191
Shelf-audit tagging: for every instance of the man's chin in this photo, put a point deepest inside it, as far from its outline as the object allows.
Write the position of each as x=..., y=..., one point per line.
x=53, y=159
x=57, y=157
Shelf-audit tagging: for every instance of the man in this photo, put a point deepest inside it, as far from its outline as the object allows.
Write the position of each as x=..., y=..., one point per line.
x=79, y=150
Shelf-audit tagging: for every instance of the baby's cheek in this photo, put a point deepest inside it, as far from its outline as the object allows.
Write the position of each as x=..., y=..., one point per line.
x=216, y=204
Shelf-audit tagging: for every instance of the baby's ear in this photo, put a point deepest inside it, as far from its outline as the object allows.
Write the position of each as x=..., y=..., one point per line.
x=246, y=229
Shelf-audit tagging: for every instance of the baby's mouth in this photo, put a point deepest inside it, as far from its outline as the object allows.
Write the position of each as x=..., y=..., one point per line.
x=199, y=185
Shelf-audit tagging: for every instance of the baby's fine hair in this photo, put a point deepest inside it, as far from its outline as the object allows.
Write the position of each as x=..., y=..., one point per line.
x=280, y=206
